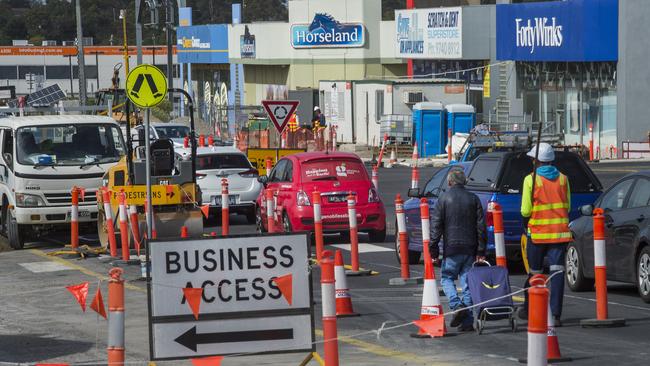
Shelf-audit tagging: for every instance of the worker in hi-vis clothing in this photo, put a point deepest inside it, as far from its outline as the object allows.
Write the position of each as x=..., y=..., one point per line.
x=545, y=210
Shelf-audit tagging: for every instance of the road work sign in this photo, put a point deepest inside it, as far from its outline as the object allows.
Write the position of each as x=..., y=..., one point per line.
x=256, y=296
x=146, y=86
x=137, y=195
x=280, y=111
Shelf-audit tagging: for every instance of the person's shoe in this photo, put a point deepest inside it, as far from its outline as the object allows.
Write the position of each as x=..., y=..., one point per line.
x=522, y=313
x=459, y=316
x=466, y=328
x=557, y=321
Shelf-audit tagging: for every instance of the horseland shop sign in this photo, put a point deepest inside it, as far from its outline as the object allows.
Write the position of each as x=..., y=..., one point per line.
x=430, y=33
x=244, y=306
x=326, y=32
x=572, y=30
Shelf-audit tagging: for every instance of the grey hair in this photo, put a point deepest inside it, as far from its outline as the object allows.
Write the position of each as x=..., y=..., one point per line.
x=456, y=176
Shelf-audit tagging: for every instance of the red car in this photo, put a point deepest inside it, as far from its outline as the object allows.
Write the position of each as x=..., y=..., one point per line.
x=335, y=175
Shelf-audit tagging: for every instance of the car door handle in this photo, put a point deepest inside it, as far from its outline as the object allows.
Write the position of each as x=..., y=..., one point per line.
x=640, y=218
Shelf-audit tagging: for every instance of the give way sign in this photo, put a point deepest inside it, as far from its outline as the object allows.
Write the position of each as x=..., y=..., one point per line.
x=280, y=111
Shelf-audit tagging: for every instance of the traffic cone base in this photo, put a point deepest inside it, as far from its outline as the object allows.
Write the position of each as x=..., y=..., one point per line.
x=431, y=307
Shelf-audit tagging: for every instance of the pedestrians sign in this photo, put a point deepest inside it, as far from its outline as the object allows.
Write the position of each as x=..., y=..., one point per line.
x=256, y=296
x=280, y=111
x=146, y=86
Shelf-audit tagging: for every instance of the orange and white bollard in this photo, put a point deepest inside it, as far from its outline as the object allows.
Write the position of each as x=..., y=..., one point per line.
x=449, y=137
x=375, y=177
x=426, y=229
x=110, y=229
x=186, y=142
x=225, y=208
x=499, y=239
x=154, y=233
x=591, y=142
x=184, y=233
x=381, y=151
x=74, y=219
x=210, y=140
x=354, y=234
x=268, y=166
x=124, y=227
x=115, y=344
x=393, y=158
x=343, y=298
x=270, y=211
x=135, y=229
x=318, y=224
x=415, y=178
x=328, y=294
x=537, y=321
x=431, y=306
x=600, y=272
x=333, y=138
x=405, y=278
x=283, y=139
x=202, y=141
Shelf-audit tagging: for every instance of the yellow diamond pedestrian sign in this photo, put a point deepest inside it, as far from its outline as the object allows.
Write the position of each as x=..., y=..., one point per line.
x=146, y=86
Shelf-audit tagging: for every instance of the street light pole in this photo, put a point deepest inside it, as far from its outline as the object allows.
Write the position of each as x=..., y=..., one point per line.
x=80, y=56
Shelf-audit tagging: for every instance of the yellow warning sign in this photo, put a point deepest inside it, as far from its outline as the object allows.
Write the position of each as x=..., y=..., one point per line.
x=258, y=157
x=146, y=86
x=137, y=195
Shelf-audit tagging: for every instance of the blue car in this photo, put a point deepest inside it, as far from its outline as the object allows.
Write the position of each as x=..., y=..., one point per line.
x=498, y=177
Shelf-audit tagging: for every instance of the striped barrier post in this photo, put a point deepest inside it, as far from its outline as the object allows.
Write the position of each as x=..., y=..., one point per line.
x=124, y=227
x=115, y=344
x=110, y=229
x=402, y=236
x=600, y=272
x=426, y=231
x=328, y=291
x=268, y=166
x=135, y=229
x=375, y=177
x=201, y=140
x=210, y=140
x=225, y=208
x=318, y=224
x=449, y=137
x=270, y=210
x=74, y=219
x=354, y=235
x=499, y=240
x=537, y=321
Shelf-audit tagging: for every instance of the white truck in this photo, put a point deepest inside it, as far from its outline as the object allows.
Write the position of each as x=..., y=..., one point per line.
x=42, y=159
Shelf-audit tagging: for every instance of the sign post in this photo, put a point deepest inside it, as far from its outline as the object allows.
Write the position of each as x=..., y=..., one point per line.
x=280, y=112
x=256, y=296
x=146, y=87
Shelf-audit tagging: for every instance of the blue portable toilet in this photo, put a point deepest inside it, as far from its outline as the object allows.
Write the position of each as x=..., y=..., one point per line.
x=460, y=117
x=429, y=128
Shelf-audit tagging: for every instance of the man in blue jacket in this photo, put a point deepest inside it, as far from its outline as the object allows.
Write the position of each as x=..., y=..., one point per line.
x=458, y=216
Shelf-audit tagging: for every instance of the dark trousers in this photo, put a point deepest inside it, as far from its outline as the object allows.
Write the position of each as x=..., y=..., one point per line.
x=555, y=254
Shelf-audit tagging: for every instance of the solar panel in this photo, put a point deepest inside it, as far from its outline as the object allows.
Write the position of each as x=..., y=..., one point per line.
x=46, y=96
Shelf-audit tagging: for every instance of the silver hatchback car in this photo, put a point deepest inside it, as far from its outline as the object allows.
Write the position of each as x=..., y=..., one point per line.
x=213, y=163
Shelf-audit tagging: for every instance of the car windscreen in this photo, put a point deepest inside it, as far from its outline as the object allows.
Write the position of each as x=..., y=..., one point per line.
x=173, y=132
x=340, y=170
x=519, y=166
x=222, y=161
x=81, y=144
x=484, y=174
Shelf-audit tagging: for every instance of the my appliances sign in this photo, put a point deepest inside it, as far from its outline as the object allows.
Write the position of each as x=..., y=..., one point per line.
x=430, y=33
x=325, y=31
x=573, y=30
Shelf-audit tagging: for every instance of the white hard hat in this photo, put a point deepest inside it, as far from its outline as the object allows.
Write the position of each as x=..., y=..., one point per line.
x=316, y=108
x=546, y=153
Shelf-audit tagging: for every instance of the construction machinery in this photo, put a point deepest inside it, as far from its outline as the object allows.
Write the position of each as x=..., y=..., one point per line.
x=176, y=198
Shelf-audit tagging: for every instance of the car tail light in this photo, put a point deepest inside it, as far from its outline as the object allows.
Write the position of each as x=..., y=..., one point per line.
x=250, y=173
x=200, y=176
x=302, y=199
x=372, y=195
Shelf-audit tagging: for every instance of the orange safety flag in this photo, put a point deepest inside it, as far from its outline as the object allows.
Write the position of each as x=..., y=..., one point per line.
x=80, y=292
x=98, y=303
x=193, y=296
x=434, y=327
x=206, y=210
x=207, y=361
x=285, y=283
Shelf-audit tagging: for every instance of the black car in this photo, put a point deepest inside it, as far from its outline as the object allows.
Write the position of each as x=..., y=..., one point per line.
x=627, y=228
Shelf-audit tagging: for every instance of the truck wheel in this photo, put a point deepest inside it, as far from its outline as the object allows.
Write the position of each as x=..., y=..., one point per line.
x=14, y=232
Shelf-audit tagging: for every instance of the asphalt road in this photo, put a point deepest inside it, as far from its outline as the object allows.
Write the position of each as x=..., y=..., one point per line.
x=40, y=321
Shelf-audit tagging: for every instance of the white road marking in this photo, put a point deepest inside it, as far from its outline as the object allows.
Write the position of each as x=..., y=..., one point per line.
x=42, y=267
x=364, y=248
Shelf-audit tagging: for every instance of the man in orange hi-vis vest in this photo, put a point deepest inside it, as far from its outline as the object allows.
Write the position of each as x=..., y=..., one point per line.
x=545, y=210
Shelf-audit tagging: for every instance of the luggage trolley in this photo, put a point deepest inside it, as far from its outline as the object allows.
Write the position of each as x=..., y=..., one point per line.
x=486, y=283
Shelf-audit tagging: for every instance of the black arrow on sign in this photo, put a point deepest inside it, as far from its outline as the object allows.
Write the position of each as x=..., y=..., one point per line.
x=191, y=339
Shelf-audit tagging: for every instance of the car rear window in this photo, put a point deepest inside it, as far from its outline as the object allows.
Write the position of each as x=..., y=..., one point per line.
x=222, y=161
x=342, y=170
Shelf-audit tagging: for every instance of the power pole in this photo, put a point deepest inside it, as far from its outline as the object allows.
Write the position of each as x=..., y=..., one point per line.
x=169, y=27
x=80, y=56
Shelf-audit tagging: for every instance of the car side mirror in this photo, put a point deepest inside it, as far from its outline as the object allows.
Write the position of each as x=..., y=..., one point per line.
x=414, y=192
x=264, y=179
x=586, y=210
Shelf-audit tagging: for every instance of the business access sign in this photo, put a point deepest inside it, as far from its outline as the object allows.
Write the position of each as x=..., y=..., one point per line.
x=256, y=296
x=326, y=32
x=572, y=30
x=430, y=33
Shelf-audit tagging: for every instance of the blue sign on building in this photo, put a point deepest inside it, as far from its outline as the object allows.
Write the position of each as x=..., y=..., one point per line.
x=325, y=31
x=572, y=30
x=203, y=44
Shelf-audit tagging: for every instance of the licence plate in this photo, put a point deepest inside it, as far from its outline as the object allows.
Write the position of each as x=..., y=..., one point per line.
x=232, y=200
x=337, y=199
x=82, y=213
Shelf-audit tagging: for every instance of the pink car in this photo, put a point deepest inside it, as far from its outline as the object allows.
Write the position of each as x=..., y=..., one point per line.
x=335, y=175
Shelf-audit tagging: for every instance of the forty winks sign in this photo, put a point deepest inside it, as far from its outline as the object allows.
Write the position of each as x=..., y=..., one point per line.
x=572, y=30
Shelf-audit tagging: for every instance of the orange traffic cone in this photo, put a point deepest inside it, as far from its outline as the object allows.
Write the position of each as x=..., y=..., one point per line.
x=431, y=308
x=343, y=299
x=553, y=346
x=393, y=159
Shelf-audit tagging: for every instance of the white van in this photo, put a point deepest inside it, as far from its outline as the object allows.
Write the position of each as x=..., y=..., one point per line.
x=42, y=159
